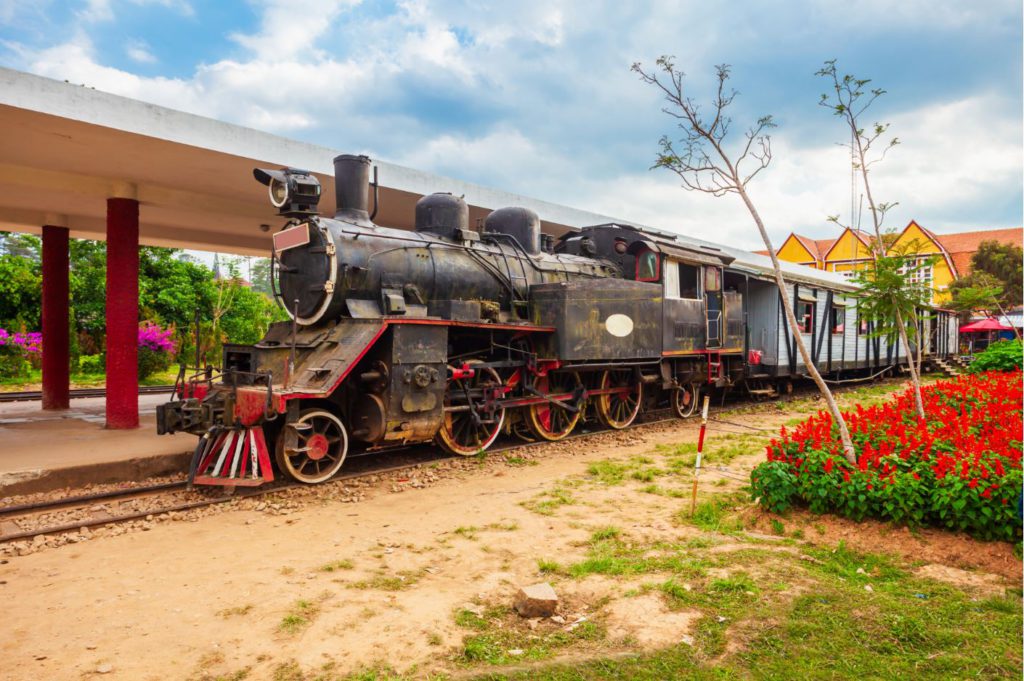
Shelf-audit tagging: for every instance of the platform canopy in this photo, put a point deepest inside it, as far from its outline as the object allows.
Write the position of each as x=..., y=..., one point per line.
x=66, y=149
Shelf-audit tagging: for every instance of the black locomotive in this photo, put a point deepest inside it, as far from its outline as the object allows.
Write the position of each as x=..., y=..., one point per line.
x=457, y=336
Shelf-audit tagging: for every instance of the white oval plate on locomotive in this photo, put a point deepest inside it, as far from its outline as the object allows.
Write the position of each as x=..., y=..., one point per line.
x=291, y=238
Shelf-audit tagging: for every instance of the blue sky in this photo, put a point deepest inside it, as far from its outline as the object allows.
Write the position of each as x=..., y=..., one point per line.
x=536, y=97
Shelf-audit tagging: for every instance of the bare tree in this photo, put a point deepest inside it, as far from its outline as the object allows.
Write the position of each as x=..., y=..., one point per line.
x=849, y=100
x=702, y=162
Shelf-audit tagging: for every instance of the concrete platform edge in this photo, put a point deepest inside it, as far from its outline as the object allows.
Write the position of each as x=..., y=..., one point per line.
x=34, y=481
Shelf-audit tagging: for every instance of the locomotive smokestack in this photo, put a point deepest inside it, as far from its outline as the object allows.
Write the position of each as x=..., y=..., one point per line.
x=351, y=186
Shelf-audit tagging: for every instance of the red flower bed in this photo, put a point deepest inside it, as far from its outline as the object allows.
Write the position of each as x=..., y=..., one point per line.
x=960, y=468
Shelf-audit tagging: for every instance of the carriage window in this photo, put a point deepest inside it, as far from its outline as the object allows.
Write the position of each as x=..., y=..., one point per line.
x=837, y=319
x=689, y=281
x=805, y=317
x=712, y=279
x=647, y=266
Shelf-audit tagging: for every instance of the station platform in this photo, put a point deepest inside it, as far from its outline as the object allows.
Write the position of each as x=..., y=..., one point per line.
x=46, y=450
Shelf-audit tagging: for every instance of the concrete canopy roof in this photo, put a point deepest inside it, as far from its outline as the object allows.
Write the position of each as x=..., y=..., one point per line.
x=65, y=149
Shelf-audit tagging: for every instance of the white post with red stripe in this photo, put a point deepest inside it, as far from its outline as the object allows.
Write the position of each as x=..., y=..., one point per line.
x=700, y=450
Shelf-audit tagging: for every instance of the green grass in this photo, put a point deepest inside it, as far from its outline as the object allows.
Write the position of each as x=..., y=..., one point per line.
x=905, y=628
x=298, y=617
x=548, y=502
x=608, y=472
x=548, y=566
x=611, y=555
x=388, y=582
x=711, y=516
x=496, y=638
x=336, y=565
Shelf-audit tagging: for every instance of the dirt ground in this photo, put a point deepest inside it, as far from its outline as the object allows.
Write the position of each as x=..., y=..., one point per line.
x=380, y=575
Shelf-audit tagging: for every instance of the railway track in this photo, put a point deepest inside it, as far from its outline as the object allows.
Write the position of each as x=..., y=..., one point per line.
x=424, y=455
x=29, y=395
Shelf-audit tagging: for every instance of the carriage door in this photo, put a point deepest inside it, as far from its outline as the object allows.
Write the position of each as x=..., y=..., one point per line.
x=713, y=305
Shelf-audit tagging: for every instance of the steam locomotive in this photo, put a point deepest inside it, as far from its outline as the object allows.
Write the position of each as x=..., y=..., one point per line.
x=456, y=336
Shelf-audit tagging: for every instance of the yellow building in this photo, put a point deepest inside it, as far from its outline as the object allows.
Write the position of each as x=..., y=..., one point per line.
x=949, y=254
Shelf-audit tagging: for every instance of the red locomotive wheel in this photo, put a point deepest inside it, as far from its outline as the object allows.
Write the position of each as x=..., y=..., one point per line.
x=684, y=400
x=620, y=408
x=550, y=421
x=320, y=449
x=465, y=431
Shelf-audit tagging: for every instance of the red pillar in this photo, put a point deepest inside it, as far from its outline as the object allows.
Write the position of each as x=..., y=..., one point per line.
x=56, y=343
x=122, y=313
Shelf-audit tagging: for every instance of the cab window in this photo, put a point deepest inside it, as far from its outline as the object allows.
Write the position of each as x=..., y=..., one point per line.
x=647, y=266
x=689, y=281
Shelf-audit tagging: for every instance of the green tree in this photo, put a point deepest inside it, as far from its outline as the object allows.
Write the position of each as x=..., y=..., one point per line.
x=704, y=162
x=849, y=100
x=260, y=278
x=88, y=291
x=20, y=293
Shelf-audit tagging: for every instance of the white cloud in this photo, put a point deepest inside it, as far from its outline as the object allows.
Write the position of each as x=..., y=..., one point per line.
x=138, y=51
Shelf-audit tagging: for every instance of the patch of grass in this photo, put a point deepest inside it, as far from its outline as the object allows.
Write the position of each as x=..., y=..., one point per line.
x=470, y=620
x=613, y=556
x=646, y=474
x=548, y=502
x=383, y=581
x=608, y=472
x=337, y=565
x=495, y=645
x=434, y=639
x=519, y=461
x=236, y=611
x=298, y=617
x=288, y=671
x=467, y=532
x=609, y=532
x=778, y=528
x=797, y=534
x=708, y=515
x=548, y=566
x=663, y=491
x=510, y=526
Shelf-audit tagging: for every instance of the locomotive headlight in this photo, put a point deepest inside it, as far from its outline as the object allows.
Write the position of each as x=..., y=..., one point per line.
x=293, y=192
x=278, y=192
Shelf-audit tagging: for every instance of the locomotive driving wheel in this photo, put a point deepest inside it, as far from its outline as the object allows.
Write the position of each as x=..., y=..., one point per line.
x=321, y=446
x=550, y=421
x=619, y=409
x=466, y=430
x=684, y=400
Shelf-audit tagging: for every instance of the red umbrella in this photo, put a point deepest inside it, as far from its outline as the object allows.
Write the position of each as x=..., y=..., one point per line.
x=985, y=325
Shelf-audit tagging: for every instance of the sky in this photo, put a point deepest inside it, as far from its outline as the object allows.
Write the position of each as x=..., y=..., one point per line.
x=537, y=97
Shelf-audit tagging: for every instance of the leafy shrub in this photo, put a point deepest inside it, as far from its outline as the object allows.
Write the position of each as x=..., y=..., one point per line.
x=959, y=469
x=19, y=352
x=156, y=349
x=92, y=364
x=1005, y=355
